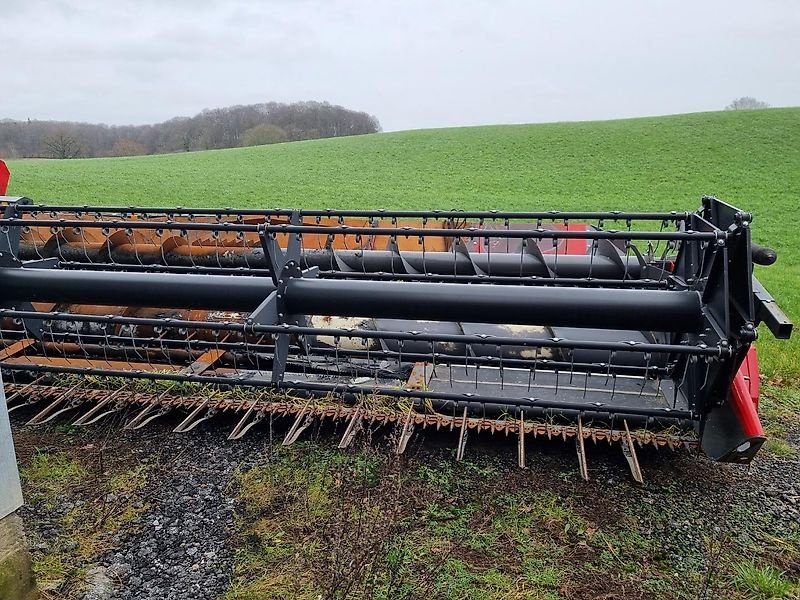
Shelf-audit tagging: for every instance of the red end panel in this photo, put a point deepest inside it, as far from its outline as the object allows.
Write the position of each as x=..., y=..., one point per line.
x=743, y=400
x=5, y=175
x=749, y=370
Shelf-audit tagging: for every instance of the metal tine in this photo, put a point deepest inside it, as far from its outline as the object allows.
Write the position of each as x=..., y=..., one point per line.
x=629, y=451
x=658, y=383
x=89, y=417
x=242, y=427
x=360, y=242
x=80, y=341
x=422, y=242
x=556, y=242
x=450, y=373
x=129, y=233
x=488, y=241
x=613, y=385
x=502, y=374
x=239, y=433
x=21, y=393
x=46, y=414
x=353, y=428
x=705, y=376
x=301, y=423
x=462, y=437
x=647, y=357
x=164, y=350
x=661, y=228
x=669, y=246
x=160, y=234
x=185, y=234
x=36, y=246
x=137, y=353
x=555, y=391
x=393, y=244
x=71, y=405
x=188, y=340
x=337, y=341
x=144, y=417
x=571, y=366
x=675, y=388
x=433, y=362
x=581, y=449
x=106, y=344
x=530, y=375
x=215, y=236
x=592, y=252
x=192, y=421
x=521, y=442
x=55, y=231
x=406, y=432
x=84, y=245
x=248, y=352
x=240, y=235
x=627, y=257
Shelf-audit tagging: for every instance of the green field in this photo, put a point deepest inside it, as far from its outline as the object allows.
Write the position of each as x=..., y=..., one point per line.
x=749, y=158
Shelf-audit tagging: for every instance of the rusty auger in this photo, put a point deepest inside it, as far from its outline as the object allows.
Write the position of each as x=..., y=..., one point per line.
x=619, y=327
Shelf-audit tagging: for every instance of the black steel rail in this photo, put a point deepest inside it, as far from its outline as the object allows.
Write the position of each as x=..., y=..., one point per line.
x=553, y=215
x=95, y=345
x=399, y=231
x=249, y=328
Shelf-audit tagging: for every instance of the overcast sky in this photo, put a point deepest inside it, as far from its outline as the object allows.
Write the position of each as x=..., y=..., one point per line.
x=413, y=64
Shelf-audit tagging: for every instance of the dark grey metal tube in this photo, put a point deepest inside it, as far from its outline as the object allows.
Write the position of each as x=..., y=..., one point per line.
x=114, y=288
x=646, y=310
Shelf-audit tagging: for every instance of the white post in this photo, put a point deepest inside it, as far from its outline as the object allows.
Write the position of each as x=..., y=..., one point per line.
x=16, y=577
x=10, y=490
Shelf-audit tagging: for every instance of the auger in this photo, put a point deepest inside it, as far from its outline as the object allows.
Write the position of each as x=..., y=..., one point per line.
x=631, y=328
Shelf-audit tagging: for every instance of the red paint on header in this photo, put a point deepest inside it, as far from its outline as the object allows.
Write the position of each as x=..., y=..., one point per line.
x=5, y=175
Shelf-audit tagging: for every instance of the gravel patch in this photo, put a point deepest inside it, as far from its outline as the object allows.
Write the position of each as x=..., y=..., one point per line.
x=180, y=548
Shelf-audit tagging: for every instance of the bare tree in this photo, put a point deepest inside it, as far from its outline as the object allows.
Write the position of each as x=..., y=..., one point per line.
x=62, y=145
x=746, y=103
x=126, y=147
x=212, y=128
x=263, y=133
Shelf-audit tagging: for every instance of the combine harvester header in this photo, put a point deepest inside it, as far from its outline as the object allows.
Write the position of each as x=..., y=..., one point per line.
x=627, y=327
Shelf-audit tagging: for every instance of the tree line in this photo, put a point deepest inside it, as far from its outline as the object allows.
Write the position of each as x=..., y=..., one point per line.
x=228, y=127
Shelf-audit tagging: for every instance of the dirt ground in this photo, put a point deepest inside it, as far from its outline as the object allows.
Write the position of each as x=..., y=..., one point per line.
x=154, y=514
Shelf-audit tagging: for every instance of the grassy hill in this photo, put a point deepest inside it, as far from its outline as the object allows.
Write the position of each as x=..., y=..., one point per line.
x=749, y=158
x=308, y=516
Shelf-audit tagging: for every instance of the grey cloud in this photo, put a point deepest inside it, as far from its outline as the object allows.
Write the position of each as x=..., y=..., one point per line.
x=413, y=63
